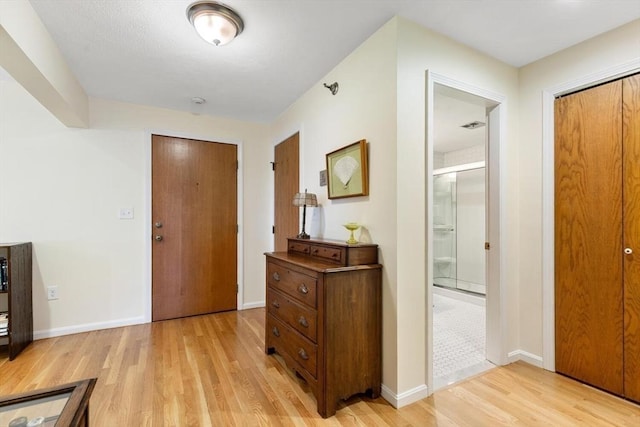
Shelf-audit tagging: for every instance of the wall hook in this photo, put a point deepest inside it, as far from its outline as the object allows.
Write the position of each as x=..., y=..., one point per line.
x=333, y=87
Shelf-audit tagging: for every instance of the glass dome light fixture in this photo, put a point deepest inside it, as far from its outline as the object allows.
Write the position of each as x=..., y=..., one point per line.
x=215, y=23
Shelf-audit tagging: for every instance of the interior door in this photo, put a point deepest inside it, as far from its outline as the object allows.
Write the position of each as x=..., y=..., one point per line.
x=194, y=220
x=588, y=236
x=286, y=184
x=631, y=149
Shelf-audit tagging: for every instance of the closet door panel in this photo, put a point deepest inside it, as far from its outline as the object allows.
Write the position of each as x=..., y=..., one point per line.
x=631, y=155
x=588, y=236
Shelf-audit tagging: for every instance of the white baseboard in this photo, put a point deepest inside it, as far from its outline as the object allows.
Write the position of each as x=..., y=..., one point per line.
x=251, y=305
x=68, y=330
x=406, y=398
x=75, y=329
x=525, y=356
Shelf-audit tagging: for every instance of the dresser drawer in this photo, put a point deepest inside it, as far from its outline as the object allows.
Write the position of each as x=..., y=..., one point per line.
x=302, y=248
x=328, y=252
x=287, y=341
x=298, y=316
x=297, y=285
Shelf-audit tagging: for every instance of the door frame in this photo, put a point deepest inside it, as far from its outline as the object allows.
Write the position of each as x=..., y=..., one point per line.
x=548, y=190
x=147, y=220
x=496, y=349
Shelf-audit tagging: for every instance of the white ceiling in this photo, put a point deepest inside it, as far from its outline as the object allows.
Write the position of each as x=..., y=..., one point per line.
x=146, y=52
x=452, y=109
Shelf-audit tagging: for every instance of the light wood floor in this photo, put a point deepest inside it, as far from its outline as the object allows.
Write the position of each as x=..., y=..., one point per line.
x=212, y=371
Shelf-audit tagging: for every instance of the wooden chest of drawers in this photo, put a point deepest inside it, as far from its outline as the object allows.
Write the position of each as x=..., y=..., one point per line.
x=324, y=317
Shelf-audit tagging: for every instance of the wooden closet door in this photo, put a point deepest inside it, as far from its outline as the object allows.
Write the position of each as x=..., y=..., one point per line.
x=588, y=236
x=631, y=155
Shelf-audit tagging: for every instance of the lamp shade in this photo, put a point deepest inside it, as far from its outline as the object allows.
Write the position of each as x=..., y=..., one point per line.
x=305, y=199
x=215, y=23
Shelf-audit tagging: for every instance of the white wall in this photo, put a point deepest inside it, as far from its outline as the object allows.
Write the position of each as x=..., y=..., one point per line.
x=594, y=56
x=61, y=188
x=420, y=50
x=382, y=99
x=364, y=108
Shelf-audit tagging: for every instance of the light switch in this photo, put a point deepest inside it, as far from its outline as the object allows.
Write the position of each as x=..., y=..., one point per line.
x=125, y=213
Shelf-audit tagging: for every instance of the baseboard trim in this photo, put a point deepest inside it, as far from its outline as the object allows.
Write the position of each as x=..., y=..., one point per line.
x=525, y=356
x=406, y=398
x=87, y=327
x=251, y=305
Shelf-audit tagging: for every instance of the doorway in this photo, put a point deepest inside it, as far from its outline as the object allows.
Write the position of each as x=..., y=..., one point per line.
x=463, y=232
x=194, y=227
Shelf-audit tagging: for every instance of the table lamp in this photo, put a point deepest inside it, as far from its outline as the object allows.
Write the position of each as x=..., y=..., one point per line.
x=304, y=199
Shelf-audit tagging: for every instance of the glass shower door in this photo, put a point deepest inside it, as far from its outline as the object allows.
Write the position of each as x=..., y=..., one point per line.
x=444, y=230
x=459, y=230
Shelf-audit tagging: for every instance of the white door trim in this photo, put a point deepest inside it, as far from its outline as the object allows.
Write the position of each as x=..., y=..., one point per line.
x=496, y=295
x=148, y=220
x=548, y=222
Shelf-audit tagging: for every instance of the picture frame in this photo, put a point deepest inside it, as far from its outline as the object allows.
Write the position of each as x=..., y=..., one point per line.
x=347, y=171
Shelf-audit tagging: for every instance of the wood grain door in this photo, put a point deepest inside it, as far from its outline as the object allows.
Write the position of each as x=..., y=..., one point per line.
x=588, y=236
x=194, y=211
x=631, y=168
x=286, y=184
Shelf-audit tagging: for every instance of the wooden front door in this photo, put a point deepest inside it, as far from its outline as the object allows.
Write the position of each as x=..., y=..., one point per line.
x=194, y=227
x=588, y=236
x=286, y=176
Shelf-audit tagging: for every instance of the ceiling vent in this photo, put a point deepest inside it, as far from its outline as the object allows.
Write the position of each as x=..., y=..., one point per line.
x=473, y=125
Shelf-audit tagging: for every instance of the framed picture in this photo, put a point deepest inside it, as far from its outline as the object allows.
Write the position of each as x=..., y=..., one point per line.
x=347, y=171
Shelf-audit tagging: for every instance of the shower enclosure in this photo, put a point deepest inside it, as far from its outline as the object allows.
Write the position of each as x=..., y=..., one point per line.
x=459, y=227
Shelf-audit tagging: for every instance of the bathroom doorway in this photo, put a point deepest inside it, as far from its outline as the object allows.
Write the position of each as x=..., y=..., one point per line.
x=460, y=239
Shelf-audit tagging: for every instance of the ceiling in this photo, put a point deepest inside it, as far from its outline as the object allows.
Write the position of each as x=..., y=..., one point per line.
x=453, y=108
x=146, y=52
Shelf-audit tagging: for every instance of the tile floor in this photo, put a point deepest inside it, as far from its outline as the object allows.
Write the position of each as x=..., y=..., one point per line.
x=458, y=338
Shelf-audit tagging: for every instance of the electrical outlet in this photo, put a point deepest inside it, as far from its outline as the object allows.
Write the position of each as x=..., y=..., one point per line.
x=52, y=292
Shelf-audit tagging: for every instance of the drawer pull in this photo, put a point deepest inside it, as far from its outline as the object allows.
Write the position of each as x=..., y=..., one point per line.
x=303, y=289
x=276, y=304
x=276, y=276
x=315, y=252
x=303, y=354
x=303, y=322
x=334, y=255
x=275, y=331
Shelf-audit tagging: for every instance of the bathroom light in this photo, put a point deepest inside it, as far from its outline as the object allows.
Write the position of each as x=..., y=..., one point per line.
x=215, y=23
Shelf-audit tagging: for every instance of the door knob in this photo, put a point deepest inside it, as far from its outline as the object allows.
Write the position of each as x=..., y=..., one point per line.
x=157, y=237
x=628, y=251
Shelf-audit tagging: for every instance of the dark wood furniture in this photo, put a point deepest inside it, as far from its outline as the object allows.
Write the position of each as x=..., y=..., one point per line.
x=324, y=317
x=16, y=300
x=62, y=406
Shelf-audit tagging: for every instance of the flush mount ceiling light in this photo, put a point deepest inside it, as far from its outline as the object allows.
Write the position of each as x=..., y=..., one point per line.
x=215, y=22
